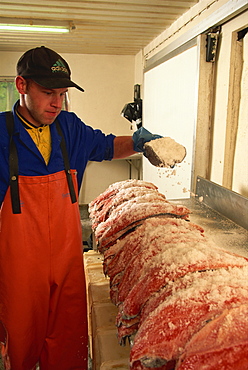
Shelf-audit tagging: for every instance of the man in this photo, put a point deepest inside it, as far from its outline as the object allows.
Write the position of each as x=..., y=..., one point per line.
x=43, y=158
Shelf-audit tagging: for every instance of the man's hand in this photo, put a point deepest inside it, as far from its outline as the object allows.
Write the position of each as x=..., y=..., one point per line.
x=142, y=136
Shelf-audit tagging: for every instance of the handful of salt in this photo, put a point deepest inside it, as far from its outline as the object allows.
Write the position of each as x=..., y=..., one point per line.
x=164, y=152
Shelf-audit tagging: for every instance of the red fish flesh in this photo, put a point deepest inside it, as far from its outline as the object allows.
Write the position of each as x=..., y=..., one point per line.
x=164, y=334
x=222, y=344
x=178, y=260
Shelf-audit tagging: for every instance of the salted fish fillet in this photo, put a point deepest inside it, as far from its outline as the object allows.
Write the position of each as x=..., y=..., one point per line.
x=176, y=261
x=121, y=248
x=96, y=205
x=141, y=241
x=164, y=334
x=232, y=358
x=158, y=298
x=114, y=250
x=113, y=189
x=220, y=345
x=104, y=244
x=139, y=265
x=122, y=283
x=115, y=200
x=127, y=332
x=167, y=291
x=150, y=196
x=121, y=197
x=110, y=253
x=125, y=208
x=121, y=185
x=107, y=231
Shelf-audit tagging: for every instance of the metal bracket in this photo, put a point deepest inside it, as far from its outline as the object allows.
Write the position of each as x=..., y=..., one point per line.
x=212, y=42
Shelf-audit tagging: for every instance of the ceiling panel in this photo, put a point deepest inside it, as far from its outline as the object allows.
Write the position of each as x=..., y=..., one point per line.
x=120, y=27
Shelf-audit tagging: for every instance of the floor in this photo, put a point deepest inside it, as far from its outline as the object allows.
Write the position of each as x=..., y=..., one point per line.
x=87, y=242
x=86, y=226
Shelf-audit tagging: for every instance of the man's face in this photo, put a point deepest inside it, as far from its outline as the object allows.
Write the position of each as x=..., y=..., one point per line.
x=39, y=105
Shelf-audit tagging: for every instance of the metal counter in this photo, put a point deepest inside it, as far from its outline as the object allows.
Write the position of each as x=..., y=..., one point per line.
x=221, y=229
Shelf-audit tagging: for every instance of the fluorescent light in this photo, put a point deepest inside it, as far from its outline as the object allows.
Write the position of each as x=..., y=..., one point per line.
x=32, y=28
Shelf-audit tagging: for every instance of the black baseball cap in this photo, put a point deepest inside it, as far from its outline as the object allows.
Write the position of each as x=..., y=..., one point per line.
x=46, y=68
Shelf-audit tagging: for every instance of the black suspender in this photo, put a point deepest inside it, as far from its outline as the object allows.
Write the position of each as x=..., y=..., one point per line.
x=13, y=165
x=66, y=163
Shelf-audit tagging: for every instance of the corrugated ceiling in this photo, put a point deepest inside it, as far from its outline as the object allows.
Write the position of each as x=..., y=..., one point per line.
x=120, y=27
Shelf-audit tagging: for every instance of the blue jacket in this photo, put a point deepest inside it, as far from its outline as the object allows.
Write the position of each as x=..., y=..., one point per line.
x=83, y=144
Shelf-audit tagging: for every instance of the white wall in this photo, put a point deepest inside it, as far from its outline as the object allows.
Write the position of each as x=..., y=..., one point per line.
x=240, y=180
x=170, y=110
x=218, y=147
x=108, y=82
x=240, y=175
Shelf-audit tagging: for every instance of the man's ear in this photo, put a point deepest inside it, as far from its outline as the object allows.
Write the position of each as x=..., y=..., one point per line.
x=21, y=85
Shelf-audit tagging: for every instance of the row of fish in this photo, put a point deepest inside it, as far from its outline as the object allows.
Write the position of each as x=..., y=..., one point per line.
x=182, y=301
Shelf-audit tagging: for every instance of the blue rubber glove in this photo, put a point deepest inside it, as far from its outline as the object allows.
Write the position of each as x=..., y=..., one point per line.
x=142, y=136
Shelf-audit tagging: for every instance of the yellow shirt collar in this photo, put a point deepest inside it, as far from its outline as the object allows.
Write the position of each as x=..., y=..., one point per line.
x=40, y=135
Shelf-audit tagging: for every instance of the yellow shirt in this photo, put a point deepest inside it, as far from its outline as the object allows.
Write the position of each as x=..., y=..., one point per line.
x=41, y=136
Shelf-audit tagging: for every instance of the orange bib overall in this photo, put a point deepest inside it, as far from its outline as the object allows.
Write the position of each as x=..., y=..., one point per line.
x=42, y=283
x=42, y=290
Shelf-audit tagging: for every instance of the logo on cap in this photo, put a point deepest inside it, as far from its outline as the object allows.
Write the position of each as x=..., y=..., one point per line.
x=59, y=67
